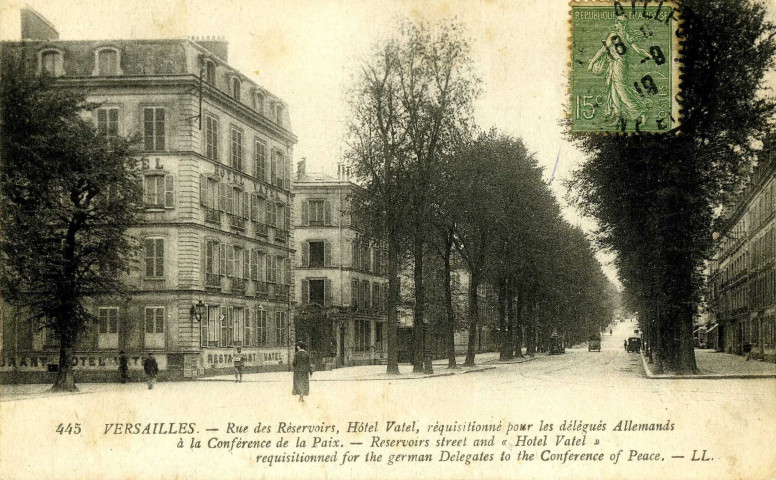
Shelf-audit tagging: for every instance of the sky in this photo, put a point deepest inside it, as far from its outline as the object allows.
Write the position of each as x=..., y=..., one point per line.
x=307, y=52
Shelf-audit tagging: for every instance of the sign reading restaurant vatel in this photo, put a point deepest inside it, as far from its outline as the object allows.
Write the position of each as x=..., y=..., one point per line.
x=624, y=66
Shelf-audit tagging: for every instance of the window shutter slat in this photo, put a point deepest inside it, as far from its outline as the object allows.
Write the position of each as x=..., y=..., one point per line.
x=326, y=254
x=203, y=190
x=305, y=254
x=305, y=212
x=169, y=191
x=327, y=212
x=305, y=292
x=327, y=292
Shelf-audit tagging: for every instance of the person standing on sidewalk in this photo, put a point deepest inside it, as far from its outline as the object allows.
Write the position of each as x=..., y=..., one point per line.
x=123, y=367
x=151, y=369
x=239, y=361
x=302, y=371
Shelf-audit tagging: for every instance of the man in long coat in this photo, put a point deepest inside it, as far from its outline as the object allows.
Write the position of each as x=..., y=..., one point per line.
x=302, y=371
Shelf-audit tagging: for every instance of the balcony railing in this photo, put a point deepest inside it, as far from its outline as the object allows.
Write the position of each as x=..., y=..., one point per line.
x=261, y=229
x=212, y=215
x=236, y=222
x=281, y=235
x=212, y=280
x=281, y=292
x=238, y=284
x=262, y=289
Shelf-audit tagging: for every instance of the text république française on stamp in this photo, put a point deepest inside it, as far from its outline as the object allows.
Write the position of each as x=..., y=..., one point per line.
x=624, y=66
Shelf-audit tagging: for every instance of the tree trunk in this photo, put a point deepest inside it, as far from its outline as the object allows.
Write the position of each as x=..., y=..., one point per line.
x=519, y=325
x=686, y=356
x=474, y=313
x=450, y=334
x=418, y=327
x=65, y=381
x=392, y=333
x=505, y=343
x=530, y=331
x=510, y=321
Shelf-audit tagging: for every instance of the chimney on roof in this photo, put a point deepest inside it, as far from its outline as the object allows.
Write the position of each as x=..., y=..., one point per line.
x=36, y=27
x=301, y=166
x=217, y=45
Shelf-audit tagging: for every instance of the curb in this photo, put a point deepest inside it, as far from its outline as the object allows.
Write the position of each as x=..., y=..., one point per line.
x=513, y=361
x=706, y=376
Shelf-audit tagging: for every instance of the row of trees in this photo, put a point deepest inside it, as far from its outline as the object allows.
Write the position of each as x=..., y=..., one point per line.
x=655, y=196
x=433, y=185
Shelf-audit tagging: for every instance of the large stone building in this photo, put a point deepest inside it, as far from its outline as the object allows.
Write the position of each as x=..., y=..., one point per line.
x=742, y=275
x=341, y=274
x=217, y=150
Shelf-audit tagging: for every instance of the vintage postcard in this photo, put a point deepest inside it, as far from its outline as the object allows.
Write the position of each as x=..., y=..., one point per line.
x=257, y=182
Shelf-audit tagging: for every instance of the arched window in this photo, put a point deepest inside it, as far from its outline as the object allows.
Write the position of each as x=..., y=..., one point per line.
x=279, y=114
x=50, y=63
x=107, y=62
x=260, y=102
x=236, y=88
x=210, y=72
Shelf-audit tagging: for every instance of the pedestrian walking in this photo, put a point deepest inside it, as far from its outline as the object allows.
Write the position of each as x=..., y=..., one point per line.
x=625, y=342
x=123, y=367
x=302, y=371
x=239, y=361
x=151, y=369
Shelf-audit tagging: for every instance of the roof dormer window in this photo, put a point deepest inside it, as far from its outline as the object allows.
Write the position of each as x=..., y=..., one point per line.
x=50, y=63
x=260, y=102
x=107, y=62
x=210, y=72
x=236, y=88
x=279, y=114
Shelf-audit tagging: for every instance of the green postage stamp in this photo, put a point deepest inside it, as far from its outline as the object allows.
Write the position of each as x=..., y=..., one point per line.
x=624, y=66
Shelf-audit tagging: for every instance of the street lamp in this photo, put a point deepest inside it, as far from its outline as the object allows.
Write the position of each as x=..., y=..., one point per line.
x=197, y=311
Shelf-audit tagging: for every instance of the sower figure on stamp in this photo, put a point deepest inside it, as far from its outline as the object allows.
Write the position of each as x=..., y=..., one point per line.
x=151, y=369
x=623, y=102
x=123, y=367
x=239, y=361
x=302, y=371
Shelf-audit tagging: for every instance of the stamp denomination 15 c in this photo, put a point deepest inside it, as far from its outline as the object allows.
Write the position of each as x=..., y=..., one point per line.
x=624, y=66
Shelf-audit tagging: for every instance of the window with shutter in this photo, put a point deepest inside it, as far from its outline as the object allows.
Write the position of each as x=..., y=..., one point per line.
x=327, y=293
x=305, y=254
x=169, y=192
x=327, y=212
x=108, y=123
x=354, y=293
x=154, y=135
x=305, y=292
x=326, y=254
x=154, y=257
x=305, y=212
x=260, y=167
x=211, y=137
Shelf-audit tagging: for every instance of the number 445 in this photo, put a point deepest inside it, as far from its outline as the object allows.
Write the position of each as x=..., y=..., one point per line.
x=69, y=429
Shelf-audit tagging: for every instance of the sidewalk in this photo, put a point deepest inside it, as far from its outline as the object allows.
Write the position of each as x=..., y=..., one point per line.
x=713, y=364
x=484, y=361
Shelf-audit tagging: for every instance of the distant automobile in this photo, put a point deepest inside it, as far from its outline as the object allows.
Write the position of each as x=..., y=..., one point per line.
x=557, y=346
x=594, y=343
x=634, y=345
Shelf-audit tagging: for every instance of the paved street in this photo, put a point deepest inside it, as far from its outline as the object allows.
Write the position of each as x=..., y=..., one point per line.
x=725, y=417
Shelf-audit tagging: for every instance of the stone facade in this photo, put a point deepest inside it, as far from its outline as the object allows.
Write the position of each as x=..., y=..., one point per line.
x=217, y=150
x=742, y=275
x=340, y=274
